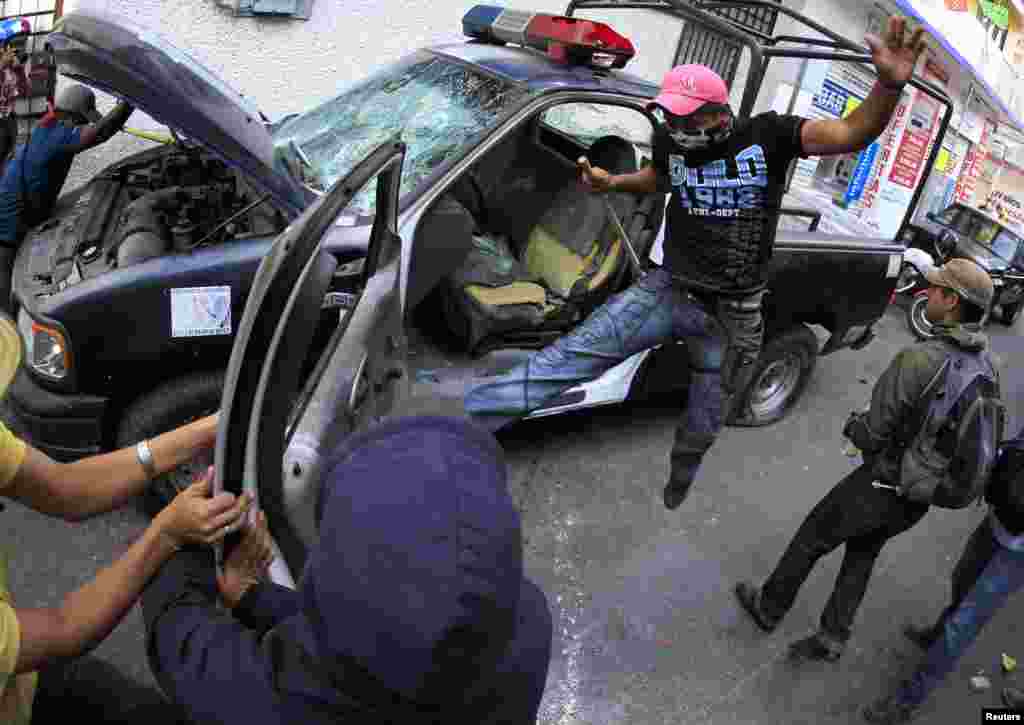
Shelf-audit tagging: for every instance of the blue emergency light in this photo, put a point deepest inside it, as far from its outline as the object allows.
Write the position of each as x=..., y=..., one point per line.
x=570, y=40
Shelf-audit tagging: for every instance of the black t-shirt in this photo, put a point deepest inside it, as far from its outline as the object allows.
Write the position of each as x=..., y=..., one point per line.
x=724, y=206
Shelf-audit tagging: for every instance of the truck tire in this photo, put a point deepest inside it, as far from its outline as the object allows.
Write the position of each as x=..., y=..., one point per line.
x=1009, y=313
x=166, y=407
x=783, y=370
x=916, y=320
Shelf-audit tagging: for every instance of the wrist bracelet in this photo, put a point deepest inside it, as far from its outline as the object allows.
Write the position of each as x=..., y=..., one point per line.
x=145, y=456
x=889, y=87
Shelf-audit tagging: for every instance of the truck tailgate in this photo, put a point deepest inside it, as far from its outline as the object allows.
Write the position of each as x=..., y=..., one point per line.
x=834, y=281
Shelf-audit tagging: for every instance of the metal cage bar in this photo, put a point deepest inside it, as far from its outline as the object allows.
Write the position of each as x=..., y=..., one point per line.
x=690, y=13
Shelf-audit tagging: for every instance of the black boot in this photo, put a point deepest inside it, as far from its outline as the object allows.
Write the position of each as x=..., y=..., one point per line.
x=1013, y=698
x=889, y=711
x=923, y=637
x=687, y=453
x=817, y=647
x=749, y=597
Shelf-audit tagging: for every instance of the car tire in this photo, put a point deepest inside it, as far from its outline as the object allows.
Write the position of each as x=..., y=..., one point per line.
x=916, y=319
x=166, y=407
x=783, y=370
x=1008, y=314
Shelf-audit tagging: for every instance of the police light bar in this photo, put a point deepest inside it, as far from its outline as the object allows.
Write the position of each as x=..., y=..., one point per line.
x=565, y=39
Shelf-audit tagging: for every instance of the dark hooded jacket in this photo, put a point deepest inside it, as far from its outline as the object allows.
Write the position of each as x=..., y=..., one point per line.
x=411, y=608
x=898, y=390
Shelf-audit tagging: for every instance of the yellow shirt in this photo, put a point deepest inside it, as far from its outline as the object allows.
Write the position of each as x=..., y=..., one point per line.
x=16, y=691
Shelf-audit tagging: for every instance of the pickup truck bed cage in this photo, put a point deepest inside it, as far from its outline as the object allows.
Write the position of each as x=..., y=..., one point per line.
x=725, y=36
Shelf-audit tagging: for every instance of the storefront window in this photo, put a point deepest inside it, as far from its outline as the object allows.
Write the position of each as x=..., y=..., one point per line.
x=865, y=194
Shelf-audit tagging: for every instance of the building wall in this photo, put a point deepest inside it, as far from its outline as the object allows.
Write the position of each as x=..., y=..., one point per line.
x=289, y=65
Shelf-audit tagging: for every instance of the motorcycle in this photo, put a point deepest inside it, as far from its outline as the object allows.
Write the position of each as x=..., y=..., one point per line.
x=1008, y=280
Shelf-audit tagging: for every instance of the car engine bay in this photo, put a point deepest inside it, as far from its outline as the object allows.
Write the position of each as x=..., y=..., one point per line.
x=169, y=200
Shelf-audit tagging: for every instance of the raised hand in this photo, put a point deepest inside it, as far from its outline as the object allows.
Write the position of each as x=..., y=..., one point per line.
x=895, y=55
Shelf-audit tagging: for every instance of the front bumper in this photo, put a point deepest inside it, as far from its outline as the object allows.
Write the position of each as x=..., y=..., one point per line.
x=65, y=427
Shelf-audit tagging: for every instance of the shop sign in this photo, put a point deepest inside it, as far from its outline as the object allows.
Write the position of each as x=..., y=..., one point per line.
x=859, y=177
x=832, y=98
x=913, y=146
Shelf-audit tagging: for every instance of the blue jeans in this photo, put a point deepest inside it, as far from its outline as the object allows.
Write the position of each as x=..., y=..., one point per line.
x=723, y=345
x=985, y=577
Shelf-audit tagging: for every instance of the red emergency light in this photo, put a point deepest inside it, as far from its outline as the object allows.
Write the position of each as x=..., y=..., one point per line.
x=565, y=39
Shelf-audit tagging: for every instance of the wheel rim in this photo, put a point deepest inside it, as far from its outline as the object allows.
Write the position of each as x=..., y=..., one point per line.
x=774, y=387
x=907, y=279
x=919, y=320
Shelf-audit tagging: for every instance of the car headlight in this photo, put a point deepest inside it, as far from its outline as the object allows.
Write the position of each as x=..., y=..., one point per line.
x=46, y=350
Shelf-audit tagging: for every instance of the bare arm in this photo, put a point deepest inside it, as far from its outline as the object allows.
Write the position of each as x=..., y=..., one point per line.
x=894, y=59
x=856, y=131
x=102, y=130
x=91, y=612
x=98, y=484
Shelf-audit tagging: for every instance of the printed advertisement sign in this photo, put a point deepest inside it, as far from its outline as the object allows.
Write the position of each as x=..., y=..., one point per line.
x=987, y=33
x=1006, y=200
x=859, y=177
x=916, y=140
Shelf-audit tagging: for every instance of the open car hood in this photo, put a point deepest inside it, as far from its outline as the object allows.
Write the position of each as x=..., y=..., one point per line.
x=143, y=68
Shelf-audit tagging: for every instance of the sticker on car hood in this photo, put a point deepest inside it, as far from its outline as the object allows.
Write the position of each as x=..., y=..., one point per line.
x=200, y=311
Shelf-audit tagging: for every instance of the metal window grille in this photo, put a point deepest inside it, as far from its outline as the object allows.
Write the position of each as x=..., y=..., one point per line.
x=40, y=13
x=31, y=47
x=700, y=44
x=759, y=19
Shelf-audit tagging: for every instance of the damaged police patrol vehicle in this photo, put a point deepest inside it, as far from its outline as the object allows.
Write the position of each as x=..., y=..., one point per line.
x=429, y=232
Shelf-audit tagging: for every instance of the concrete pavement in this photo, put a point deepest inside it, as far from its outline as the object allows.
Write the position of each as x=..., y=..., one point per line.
x=646, y=627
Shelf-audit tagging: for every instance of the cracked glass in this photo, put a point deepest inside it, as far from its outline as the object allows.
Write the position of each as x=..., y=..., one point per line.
x=439, y=107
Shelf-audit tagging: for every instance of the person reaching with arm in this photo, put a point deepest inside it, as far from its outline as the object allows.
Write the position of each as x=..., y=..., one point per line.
x=35, y=175
x=726, y=180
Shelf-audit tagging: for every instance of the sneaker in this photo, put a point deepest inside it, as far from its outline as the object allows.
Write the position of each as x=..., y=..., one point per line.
x=888, y=711
x=675, y=494
x=817, y=647
x=749, y=597
x=923, y=637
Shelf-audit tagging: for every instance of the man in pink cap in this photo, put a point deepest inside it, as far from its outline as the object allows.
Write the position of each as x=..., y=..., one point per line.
x=726, y=178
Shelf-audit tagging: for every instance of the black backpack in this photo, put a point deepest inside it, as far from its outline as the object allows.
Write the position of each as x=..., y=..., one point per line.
x=953, y=438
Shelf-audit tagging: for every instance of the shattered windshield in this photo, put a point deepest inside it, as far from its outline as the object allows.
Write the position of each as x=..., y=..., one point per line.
x=437, y=106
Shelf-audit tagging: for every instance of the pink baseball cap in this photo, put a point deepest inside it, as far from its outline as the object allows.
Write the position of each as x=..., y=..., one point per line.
x=688, y=87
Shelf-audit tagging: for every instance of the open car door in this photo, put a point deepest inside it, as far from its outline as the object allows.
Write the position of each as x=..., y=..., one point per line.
x=262, y=401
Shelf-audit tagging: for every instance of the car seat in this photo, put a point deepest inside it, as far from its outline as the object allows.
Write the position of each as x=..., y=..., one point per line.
x=570, y=258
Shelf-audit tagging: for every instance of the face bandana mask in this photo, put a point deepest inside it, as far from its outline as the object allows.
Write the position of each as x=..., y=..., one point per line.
x=693, y=140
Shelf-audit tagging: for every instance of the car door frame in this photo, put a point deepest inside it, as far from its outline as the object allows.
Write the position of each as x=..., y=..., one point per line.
x=285, y=300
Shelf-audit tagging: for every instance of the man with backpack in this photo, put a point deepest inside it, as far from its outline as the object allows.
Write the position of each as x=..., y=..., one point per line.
x=930, y=436
x=990, y=570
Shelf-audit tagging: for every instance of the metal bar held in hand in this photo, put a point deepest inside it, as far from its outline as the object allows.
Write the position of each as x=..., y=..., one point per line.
x=634, y=258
